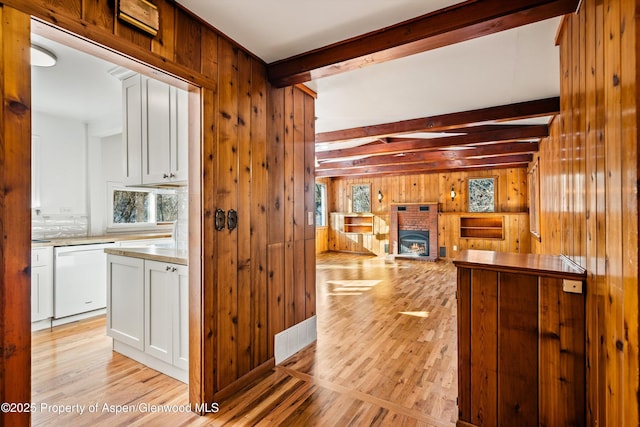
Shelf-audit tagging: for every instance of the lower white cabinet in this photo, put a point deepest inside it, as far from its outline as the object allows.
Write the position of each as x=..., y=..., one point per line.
x=125, y=300
x=41, y=283
x=148, y=311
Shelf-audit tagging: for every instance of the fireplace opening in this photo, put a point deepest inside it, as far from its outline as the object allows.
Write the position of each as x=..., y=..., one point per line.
x=413, y=242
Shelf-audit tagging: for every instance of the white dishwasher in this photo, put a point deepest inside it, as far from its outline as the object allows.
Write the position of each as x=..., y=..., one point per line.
x=80, y=279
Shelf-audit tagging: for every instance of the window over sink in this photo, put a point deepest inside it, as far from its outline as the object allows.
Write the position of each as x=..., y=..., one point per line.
x=141, y=208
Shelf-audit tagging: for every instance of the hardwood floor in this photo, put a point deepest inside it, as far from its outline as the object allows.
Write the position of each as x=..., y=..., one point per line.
x=385, y=355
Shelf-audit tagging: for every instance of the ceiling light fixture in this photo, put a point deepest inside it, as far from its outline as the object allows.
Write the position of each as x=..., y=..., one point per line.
x=41, y=57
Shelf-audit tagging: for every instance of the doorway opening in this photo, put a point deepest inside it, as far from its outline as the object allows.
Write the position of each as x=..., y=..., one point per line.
x=79, y=186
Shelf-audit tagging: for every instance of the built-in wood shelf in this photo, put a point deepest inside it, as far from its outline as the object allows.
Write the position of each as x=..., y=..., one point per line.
x=355, y=223
x=482, y=227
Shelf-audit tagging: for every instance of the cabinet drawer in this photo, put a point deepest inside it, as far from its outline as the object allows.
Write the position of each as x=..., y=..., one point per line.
x=41, y=256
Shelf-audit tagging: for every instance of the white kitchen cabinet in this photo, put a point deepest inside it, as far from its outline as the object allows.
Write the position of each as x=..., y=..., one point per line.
x=181, y=320
x=148, y=313
x=166, y=312
x=125, y=300
x=41, y=283
x=155, y=132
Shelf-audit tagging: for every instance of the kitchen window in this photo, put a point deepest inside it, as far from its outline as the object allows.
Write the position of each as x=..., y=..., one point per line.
x=131, y=207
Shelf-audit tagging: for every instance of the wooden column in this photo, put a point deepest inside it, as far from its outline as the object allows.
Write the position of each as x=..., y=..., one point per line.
x=15, y=215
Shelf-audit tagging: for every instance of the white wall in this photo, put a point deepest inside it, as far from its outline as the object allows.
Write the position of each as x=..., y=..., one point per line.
x=63, y=166
x=105, y=164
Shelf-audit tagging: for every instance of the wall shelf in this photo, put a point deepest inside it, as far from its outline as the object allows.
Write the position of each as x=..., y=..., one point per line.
x=357, y=223
x=485, y=227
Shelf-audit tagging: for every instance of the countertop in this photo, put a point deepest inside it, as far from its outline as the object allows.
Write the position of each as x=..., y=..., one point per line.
x=153, y=253
x=70, y=241
x=542, y=265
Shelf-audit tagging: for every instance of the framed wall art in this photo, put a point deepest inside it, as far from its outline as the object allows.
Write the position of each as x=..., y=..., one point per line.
x=361, y=198
x=482, y=194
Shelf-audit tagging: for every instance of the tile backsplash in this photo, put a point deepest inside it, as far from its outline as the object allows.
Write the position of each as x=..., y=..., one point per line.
x=55, y=226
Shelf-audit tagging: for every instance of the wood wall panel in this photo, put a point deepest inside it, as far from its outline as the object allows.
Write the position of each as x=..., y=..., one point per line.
x=322, y=239
x=259, y=201
x=227, y=185
x=238, y=153
x=245, y=181
x=15, y=213
x=511, y=194
x=589, y=205
x=484, y=341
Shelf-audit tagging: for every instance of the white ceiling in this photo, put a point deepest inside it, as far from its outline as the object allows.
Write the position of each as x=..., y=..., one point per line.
x=78, y=87
x=515, y=65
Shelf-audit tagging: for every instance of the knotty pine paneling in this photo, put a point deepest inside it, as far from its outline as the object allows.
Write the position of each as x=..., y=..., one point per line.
x=511, y=202
x=15, y=213
x=290, y=159
x=588, y=195
x=239, y=163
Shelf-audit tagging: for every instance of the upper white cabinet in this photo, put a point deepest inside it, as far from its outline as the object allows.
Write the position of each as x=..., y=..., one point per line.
x=155, y=132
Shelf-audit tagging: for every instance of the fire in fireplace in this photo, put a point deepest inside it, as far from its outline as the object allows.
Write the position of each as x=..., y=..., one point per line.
x=413, y=242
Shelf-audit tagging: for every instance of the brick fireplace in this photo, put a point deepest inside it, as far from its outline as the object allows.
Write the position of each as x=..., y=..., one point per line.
x=413, y=231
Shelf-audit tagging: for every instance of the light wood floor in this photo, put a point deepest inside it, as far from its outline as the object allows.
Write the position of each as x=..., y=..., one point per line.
x=385, y=355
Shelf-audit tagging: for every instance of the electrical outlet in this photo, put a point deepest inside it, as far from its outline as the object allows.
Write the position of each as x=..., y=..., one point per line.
x=572, y=286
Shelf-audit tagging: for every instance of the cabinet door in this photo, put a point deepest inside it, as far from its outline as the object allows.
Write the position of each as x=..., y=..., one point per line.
x=132, y=130
x=159, y=301
x=181, y=318
x=41, y=293
x=156, y=132
x=125, y=300
x=180, y=135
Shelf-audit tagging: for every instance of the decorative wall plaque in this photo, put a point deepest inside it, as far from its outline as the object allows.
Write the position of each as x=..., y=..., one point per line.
x=141, y=14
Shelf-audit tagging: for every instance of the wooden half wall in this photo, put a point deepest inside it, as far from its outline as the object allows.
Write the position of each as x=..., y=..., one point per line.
x=238, y=160
x=589, y=195
x=511, y=204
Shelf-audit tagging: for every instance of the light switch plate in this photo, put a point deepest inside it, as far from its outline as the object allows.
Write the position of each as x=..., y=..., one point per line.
x=310, y=217
x=572, y=286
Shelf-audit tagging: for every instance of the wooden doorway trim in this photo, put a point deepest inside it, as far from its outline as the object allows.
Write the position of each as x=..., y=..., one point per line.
x=15, y=214
x=15, y=202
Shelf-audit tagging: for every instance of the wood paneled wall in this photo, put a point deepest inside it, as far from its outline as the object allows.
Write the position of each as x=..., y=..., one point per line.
x=235, y=158
x=511, y=202
x=589, y=199
x=291, y=195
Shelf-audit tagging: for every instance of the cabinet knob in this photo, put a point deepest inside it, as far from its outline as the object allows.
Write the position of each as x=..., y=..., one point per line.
x=168, y=268
x=172, y=175
x=173, y=268
x=164, y=175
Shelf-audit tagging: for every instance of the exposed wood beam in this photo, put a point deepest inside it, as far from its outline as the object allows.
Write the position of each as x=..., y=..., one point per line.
x=431, y=167
x=492, y=150
x=460, y=22
x=443, y=122
x=411, y=145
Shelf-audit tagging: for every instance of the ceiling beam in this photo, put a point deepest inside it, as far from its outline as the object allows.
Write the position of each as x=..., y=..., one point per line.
x=443, y=122
x=457, y=23
x=518, y=160
x=409, y=173
x=485, y=151
x=411, y=145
